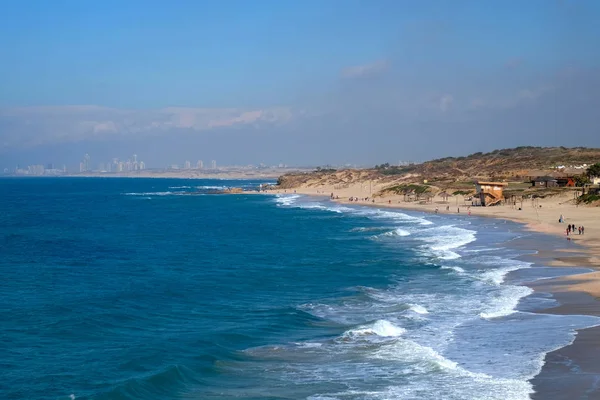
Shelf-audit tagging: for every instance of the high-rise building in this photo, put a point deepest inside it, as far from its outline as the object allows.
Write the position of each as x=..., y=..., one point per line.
x=199, y=164
x=142, y=165
x=213, y=164
x=86, y=165
x=187, y=165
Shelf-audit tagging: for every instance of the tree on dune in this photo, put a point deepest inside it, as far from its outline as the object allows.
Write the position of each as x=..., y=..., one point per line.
x=593, y=170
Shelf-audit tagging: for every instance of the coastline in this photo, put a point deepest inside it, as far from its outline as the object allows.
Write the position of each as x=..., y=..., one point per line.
x=543, y=218
x=569, y=372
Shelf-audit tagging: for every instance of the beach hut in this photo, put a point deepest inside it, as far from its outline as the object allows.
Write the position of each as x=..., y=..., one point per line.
x=490, y=193
x=444, y=195
x=544, y=181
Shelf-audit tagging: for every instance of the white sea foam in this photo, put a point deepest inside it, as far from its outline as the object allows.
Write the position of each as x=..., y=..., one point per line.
x=179, y=187
x=442, y=240
x=505, y=302
x=168, y=193
x=211, y=187
x=419, y=309
x=381, y=328
x=398, y=232
x=286, y=199
x=370, y=229
x=394, y=232
x=391, y=215
x=454, y=268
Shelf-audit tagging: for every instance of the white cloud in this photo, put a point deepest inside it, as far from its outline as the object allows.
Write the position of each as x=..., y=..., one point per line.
x=445, y=102
x=31, y=126
x=365, y=69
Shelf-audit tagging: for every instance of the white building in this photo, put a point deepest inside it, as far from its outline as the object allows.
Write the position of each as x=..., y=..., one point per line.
x=213, y=164
x=199, y=164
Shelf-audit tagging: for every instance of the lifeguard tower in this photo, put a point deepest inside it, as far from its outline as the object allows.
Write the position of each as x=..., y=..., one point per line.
x=490, y=193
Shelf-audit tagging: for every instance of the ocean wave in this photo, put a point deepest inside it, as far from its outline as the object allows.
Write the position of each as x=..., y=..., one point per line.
x=375, y=213
x=167, y=193
x=442, y=240
x=179, y=187
x=505, y=301
x=211, y=187
x=419, y=309
x=286, y=199
x=370, y=229
x=381, y=328
x=395, y=232
x=454, y=268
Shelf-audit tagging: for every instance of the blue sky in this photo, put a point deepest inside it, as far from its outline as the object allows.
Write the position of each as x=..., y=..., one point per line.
x=320, y=57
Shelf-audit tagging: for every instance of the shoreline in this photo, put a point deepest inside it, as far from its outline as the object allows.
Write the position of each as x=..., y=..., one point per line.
x=569, y=372
x=542, y=219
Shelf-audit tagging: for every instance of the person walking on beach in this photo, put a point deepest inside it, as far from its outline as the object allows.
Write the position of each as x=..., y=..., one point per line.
x=582, y=230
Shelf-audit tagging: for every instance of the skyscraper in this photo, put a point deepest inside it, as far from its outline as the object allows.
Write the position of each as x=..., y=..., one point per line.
x=213, y=164
x=187, y=165
x=199, y=164
x=86, y=165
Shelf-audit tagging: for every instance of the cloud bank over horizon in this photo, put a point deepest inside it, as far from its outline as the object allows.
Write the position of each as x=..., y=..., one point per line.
x=402, y=88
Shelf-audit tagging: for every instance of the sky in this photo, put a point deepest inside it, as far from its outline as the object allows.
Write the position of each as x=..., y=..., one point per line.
x=297, y=82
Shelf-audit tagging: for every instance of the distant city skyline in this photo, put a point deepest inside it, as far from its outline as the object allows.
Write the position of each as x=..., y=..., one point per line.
x=116, y=165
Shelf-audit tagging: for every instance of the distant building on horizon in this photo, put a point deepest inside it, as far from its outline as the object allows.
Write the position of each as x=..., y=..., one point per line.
x=199, y=164
x=187, y=165
x=86, y=164
x=213, y=164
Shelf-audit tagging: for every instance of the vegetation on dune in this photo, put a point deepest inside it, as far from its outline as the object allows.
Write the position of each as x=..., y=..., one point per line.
x=589, y=198
x=326, y=170
x=462, y=192
x=593, y=170
x=387, y=169
x=406, y=189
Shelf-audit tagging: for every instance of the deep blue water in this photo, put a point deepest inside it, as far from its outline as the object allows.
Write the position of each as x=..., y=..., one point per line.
x=132, y=289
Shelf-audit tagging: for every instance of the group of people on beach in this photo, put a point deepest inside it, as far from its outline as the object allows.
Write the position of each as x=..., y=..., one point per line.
x=356, y=198
x=571, y=228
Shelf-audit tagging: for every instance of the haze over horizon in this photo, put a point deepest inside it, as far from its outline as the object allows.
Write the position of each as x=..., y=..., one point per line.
x=300, y=83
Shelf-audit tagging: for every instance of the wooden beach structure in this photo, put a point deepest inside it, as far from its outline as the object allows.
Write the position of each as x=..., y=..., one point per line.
x=490, y=193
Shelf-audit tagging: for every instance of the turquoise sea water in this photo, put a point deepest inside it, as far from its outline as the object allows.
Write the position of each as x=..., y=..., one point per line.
x=135, y=289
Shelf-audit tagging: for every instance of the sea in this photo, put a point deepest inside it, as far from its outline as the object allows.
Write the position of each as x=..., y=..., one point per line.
x=159, y=289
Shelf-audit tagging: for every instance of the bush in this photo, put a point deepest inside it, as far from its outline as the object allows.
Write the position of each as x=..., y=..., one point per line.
x=403, y=189
x=588, y=198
